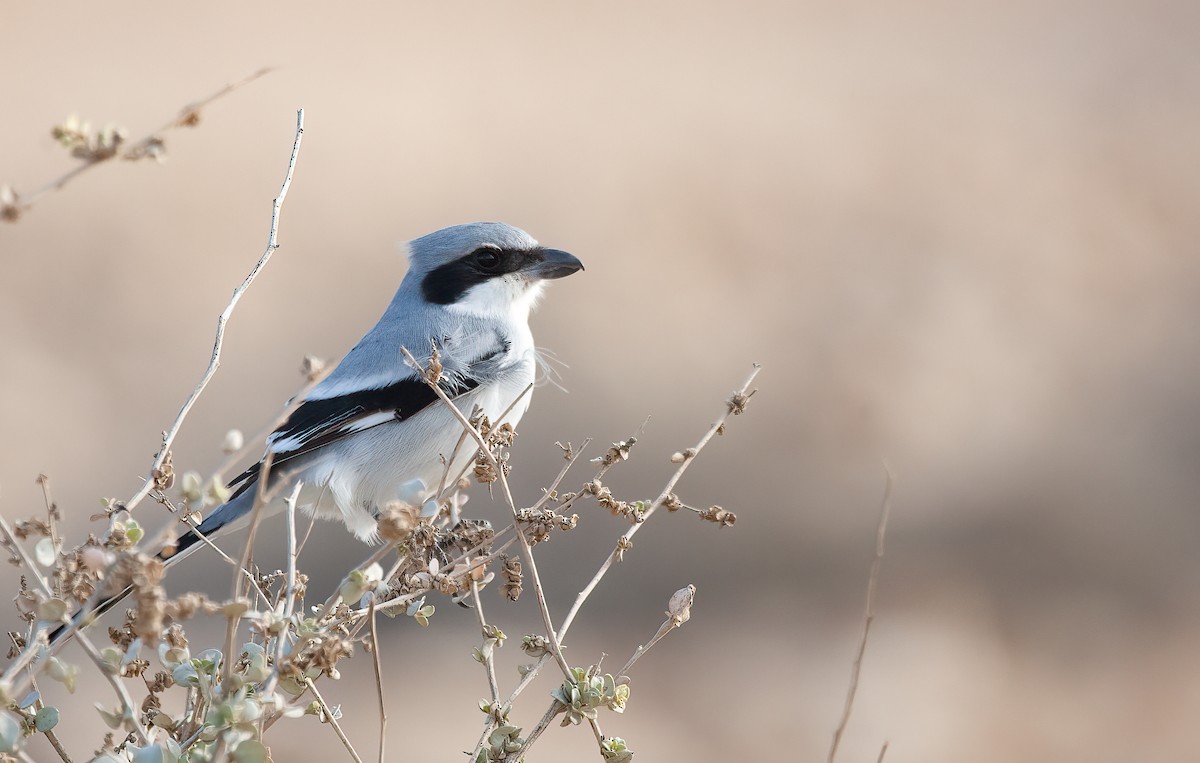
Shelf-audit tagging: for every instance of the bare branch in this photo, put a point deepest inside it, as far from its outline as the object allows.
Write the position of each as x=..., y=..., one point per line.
x=678, y=612
x=332, y=721
x=281, y=640
x=743, y=393
x=539, y=592
x=215, y=361
x=188, y=116
x=378, y=682
x=488, y=663
x=868, y=618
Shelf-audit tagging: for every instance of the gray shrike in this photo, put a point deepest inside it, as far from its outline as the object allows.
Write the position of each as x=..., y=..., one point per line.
x=374, y=424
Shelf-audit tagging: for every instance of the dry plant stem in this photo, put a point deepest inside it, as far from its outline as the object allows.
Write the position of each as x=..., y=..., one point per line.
x=628, y=535
x=586, y=592
x=882, y=752
x=215, y=361
x=575, y=456
x=527, y=679
x=378, y=683
x=525, y=547
x=538, y=590
x=226, y=557
x=555, y=708
x=552, y=712
x=868, y=617
x=542, y=725
x=561, y=475
x=191, y=740
x=663, y=630
x=490, y=667
x=127, y=706
x=462, y=438
x=33, y=645
x=488, y=663
x=290, y=505
x=44, y=481
x=290, y=597
x=51, y=737
x=33, y=642
x=332, y=721
x=185, y=114
x=244, y=565
x=312, y=522
x=57, y=745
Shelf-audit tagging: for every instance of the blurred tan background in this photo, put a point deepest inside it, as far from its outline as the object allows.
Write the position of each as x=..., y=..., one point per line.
x=959, y=237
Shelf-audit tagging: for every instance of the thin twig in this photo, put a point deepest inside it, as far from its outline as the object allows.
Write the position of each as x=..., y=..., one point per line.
x=868, y=618
x=744, y=393
x=250, y=579
x=526, y=548
x=57, y=745
x=215, y=361
x=51, y=512
x=550, y=491
x=332, y=721
x=281, y=640
x=488, y=663
x=243, y=566
x=556, y=707
x=51, y=737
x=378, y=682
x=187, y=116
x=628, y=535
x=312, y=521
x=490, y=668
x=882, y=752
x=127, y=706
x=290, y=506
x=462, y=438
x=33, y=647
x=668, y=625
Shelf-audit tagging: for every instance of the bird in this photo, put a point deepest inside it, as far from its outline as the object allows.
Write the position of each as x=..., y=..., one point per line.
x=373, y=427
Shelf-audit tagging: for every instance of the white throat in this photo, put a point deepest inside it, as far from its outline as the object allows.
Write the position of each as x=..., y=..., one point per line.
x=509, y=298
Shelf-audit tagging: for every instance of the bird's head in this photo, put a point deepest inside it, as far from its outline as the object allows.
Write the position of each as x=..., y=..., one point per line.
x=484, y=268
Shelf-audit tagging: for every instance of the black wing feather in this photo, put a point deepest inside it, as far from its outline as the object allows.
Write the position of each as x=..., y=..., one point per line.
x=317, y=423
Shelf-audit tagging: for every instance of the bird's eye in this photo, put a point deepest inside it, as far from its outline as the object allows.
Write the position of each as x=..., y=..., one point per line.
x=487, y=259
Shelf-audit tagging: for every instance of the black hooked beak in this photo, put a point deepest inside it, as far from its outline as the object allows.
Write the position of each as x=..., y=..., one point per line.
x=554, y=263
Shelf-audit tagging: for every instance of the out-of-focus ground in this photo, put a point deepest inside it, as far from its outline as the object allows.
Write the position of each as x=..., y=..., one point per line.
x=959, y=237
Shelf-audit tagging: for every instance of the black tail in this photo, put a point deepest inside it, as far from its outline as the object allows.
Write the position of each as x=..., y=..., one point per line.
x=185, y=541
x=82, y=615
